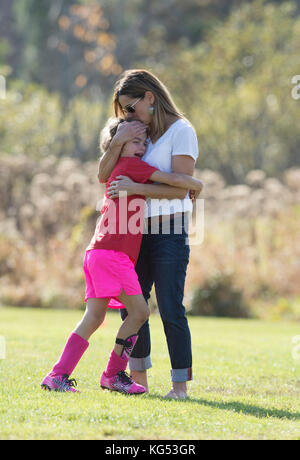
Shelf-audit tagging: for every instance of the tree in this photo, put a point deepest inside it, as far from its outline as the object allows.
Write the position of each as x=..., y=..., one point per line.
x=36, y=21
x=82, y=46
x=236, y=89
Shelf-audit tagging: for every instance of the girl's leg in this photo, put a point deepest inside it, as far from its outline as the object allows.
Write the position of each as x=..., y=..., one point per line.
x=76, y=345
x=114, y=378
x=93, y=318
x=140, y=359
x=138, y=313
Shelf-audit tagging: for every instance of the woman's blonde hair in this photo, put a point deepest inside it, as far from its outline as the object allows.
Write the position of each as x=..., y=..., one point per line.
x=134, y=84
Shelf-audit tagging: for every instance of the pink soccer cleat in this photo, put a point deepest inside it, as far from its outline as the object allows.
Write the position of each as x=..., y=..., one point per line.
x=60, y=383
x=121, y=383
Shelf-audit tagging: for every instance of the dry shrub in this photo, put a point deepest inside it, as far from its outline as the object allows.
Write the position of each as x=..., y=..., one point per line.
x=47, y=217
x=262, y=253
x=219, y=297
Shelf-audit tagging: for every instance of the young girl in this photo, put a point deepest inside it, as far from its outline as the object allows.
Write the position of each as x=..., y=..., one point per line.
x=111, y=280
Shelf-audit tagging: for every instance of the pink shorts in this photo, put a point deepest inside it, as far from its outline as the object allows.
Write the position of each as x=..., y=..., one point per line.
x=107, y=273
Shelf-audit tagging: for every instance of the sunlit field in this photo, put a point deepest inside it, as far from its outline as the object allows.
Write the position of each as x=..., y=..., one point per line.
x=246, y=383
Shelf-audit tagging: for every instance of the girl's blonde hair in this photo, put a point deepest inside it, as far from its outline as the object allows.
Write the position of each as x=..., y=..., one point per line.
x=108, y=132
x=134, y=84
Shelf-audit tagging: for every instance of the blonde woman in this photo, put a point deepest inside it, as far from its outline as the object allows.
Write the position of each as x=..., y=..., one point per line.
x=163, y=258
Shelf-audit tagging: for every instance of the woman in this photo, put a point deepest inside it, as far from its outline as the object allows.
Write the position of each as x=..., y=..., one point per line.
x=163, y=257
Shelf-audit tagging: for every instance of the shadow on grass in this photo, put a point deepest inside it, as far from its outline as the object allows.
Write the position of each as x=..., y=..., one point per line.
x=235, y=406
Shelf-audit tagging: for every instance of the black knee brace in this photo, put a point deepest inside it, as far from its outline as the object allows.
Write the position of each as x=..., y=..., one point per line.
x=128, y=344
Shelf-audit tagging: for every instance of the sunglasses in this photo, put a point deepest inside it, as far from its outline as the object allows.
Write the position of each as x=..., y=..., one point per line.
x=130, y=108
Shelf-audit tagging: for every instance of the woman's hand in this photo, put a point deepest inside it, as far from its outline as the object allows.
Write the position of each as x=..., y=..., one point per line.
x=127, y=131
x=124, y=184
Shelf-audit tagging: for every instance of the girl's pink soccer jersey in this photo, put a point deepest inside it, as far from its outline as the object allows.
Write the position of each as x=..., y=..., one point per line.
x=114, y=249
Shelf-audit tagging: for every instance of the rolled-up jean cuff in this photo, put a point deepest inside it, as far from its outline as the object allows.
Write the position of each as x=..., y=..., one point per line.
x=140, y=364
x=181, y=375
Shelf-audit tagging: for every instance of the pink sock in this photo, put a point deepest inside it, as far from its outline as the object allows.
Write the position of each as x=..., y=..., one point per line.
x=73, y=351
x=115, y=364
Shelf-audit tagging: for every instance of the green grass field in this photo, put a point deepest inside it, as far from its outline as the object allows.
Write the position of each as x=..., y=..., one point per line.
x=246, y=383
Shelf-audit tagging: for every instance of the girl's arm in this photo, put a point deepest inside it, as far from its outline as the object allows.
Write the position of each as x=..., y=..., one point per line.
x=181, y=164
x=108, y=161
x=125, y=132
x=177, y=180
x=176, y=186
x=183, y=168
x=159, y=191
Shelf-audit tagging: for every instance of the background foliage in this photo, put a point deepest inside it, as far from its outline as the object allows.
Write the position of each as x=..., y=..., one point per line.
x=229, y=65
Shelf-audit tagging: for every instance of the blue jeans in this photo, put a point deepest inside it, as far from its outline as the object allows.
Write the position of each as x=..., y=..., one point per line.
x=163, y=260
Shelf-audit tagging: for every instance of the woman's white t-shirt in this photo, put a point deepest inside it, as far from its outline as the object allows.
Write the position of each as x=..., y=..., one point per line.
x=179, y=139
